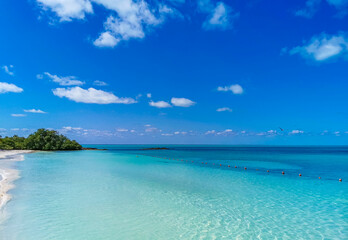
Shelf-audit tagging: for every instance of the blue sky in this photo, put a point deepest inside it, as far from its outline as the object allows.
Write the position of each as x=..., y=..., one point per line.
x=176, y=71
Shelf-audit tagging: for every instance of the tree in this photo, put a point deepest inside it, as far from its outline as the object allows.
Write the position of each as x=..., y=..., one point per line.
x=42, y=139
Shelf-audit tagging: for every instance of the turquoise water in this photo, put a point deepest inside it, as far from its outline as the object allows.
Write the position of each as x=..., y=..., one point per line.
x=116, y=195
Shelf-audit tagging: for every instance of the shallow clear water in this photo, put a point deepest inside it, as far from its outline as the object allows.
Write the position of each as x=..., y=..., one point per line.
x=116, y=195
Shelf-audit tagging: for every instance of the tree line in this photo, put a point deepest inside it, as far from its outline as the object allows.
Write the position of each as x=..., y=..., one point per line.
x=42, y=139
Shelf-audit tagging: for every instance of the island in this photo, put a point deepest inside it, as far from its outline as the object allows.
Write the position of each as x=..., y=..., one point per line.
x=94, y=149
x=156, y=148
x=42, y=139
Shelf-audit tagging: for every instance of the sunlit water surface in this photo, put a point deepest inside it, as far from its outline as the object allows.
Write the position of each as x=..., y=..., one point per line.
x=116, y=195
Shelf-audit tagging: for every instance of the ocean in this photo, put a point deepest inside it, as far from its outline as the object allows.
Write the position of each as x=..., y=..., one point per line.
x=127, y=192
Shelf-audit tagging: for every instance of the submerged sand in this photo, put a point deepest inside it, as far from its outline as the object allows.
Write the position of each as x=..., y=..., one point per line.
x=8, y=173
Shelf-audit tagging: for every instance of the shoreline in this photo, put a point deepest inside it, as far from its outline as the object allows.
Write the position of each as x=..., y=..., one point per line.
x=9, y=174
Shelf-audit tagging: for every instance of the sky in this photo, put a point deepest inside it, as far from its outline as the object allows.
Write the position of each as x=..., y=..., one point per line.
x=176, y=71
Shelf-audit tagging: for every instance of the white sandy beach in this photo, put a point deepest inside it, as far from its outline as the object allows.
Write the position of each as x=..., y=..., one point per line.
x=8, y=174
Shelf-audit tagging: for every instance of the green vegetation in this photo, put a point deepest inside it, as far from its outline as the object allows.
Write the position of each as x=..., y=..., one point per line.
x=42, y=139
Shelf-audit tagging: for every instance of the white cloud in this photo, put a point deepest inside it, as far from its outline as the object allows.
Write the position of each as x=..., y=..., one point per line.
x=18, y=115
x=9, y=87
x=152, y=129
x=90, y=95
x=68, y=128
x=160, y=104
x=8, y=70
x=148, y=95
x=106, y=39
x=34, y=111
x=177, y=133
x=131, y=20
x=99, y=83
x=210, y=132
x=235, y=88
x=310, y=9
x=225, y=132
x=66, y=10
x=128, y=19
x=224, y=109
x=62, y=81
x=293, y=132
x=221, y=17
x=323, y=47
x=122, y=130
x=172, y=12
x=182, y=102
x=167, y=134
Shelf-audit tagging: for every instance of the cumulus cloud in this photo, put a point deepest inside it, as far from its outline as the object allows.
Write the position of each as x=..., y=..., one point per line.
x=182, y=102
x=224, y=109
x=323, y=47
x=34, y=111
x=8, y=69
x=131, y=20
x=106, y=39
x=90, y=95
x=66, y=10
x=18, y=115
x=62, y=81
x=9, y=87
x=99, y=83
x=235, y=89
x=221, y=17
x=160, y=104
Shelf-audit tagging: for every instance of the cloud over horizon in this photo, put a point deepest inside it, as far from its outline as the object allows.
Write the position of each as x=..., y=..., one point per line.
x=18, y=115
